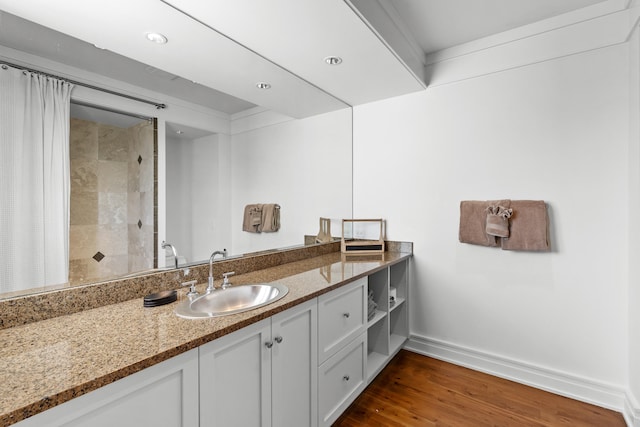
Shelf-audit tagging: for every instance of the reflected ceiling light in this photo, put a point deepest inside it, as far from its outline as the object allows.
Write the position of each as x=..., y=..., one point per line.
x=333, y=60
x=156, y=38
x=179, y=132
x=263, y=85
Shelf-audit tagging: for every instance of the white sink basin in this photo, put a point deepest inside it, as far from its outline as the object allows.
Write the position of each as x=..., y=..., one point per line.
x=235, y=299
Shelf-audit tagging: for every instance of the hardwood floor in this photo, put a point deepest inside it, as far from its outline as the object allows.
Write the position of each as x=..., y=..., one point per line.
x=415, y=390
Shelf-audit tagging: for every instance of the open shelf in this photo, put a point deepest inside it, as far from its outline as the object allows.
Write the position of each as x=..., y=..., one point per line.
x=375, y=363
x=399, y=302
x=378, y=316
x=395, y=342
x=388, y=330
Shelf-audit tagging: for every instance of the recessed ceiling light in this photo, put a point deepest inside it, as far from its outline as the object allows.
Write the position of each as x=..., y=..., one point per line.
x=263, y=85
x=333, y=60
x=156, y=38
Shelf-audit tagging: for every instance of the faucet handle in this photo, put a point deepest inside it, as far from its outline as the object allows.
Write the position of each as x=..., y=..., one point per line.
x=192, y=288
x=225, y=280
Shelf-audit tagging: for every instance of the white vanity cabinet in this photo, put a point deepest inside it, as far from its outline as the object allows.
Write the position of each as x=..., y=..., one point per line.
x=342, y=319
x=301, y=367
x=264, y=374
x=162, y=395
x=353, y=349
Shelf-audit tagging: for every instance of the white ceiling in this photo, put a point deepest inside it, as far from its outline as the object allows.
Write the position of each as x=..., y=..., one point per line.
x=228, y=46
x=440, y=24
x=26, y=36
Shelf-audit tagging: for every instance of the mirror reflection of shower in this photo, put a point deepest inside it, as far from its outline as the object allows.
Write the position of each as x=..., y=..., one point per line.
x=113, y=169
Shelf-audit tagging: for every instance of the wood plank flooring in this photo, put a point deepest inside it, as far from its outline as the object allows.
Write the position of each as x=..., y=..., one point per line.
x=415, y=390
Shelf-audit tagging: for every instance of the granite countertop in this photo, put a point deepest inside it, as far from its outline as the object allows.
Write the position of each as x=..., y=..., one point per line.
x=46, y=363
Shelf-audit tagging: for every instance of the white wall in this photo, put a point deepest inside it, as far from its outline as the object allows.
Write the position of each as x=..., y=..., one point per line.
x=303, y=165
x=178, y=190
x=555, y=129
x=210, y=204
x=634, y=227
x=198, y=196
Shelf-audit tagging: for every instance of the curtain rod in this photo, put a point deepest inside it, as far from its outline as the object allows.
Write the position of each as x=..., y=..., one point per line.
x=111, y=110
x=134, y=98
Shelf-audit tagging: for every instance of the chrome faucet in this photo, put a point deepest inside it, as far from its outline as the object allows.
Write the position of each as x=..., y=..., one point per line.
x=175, y=254
x=210, y=287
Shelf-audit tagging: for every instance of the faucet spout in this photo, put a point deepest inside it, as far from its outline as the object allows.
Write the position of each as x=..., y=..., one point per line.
x=175, y=254
x=210, y=286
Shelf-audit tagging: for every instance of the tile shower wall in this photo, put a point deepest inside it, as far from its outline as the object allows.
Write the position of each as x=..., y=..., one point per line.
x=112, y=200
x=141, y=198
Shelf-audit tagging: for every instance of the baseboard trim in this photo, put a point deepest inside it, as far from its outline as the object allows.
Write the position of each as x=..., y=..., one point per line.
x=631, y=411
x=574, y=387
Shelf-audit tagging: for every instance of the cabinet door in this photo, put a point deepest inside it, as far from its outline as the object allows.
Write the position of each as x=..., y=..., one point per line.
x=294, y=366
x=341, y=317
x=162, y=395
x=235, y=378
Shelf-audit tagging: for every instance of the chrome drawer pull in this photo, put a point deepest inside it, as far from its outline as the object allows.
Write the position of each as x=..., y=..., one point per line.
x=269, y=344
x=278, y=339
x=346, y=378
x=346, y=315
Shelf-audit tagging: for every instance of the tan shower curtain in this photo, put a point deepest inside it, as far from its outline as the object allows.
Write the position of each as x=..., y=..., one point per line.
x=34, y=179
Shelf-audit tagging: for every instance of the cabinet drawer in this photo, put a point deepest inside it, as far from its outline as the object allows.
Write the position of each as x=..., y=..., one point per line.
x=341, y=379
x=341, y=317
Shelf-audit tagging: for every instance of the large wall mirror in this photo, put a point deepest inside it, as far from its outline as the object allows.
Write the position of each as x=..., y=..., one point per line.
x=209, y=164
x=302, y=165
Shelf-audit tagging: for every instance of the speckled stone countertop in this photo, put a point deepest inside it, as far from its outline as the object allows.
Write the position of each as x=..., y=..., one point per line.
x=48, y=362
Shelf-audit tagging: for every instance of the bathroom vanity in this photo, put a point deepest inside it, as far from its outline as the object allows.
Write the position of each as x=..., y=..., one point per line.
x=298, y=361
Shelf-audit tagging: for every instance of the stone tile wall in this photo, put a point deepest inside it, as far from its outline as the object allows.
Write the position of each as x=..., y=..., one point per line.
x=112, y=174
x=141, y=198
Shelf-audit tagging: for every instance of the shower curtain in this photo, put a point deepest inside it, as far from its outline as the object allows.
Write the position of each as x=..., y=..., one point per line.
x=34, y=179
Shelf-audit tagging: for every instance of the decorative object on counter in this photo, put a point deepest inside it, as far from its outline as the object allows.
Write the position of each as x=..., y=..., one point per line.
x=261, y=217
x=392, y=296
x=362, y=236
x=324, y=235
x=160, y=298
x=517, y=225
x=498, y=221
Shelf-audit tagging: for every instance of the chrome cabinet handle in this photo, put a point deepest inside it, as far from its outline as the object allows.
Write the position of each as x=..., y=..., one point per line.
x=346, y=378
x=278, y=339
x=346, y=315
x=269, y=344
